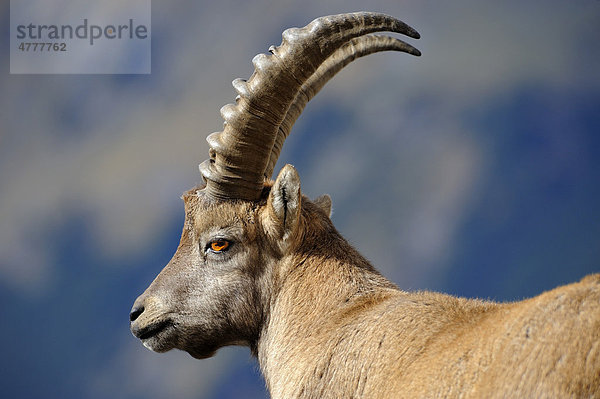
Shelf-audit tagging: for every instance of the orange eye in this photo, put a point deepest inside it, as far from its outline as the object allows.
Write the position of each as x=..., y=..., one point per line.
x=219, y=245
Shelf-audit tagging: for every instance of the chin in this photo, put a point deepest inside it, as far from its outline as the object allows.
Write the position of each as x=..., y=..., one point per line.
x=202, y=350
x=201, y=354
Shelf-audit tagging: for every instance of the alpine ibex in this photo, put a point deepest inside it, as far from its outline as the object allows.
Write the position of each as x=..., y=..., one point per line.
x=261, y=265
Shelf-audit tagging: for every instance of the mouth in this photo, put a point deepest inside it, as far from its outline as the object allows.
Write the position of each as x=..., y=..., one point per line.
x=151, y=330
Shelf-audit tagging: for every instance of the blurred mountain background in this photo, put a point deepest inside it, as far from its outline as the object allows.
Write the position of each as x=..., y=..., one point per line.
x=474, y=170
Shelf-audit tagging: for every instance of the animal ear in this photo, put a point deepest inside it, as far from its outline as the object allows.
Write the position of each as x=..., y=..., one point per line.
x=283, y=205
x=324, y=202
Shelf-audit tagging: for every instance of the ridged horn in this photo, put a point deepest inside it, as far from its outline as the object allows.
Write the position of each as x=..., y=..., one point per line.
x=239, y=154
x=355, y=48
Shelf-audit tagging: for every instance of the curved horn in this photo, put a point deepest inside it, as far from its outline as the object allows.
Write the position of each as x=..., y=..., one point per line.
x=240, y=153
x=355, y=48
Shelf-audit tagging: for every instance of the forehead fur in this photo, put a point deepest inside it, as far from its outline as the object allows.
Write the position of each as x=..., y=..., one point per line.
x=205, y=213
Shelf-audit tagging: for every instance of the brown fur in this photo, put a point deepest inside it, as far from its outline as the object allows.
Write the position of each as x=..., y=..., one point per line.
x=324, y=323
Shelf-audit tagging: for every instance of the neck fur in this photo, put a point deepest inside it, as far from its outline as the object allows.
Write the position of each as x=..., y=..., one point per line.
x=323, y=285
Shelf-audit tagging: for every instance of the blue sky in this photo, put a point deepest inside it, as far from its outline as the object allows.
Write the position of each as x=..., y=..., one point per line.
x=474, y=170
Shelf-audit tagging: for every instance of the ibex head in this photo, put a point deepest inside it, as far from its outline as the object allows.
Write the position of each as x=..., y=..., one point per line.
x=241, y=230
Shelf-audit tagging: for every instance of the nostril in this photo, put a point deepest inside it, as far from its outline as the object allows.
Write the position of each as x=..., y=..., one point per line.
x=136, y=312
